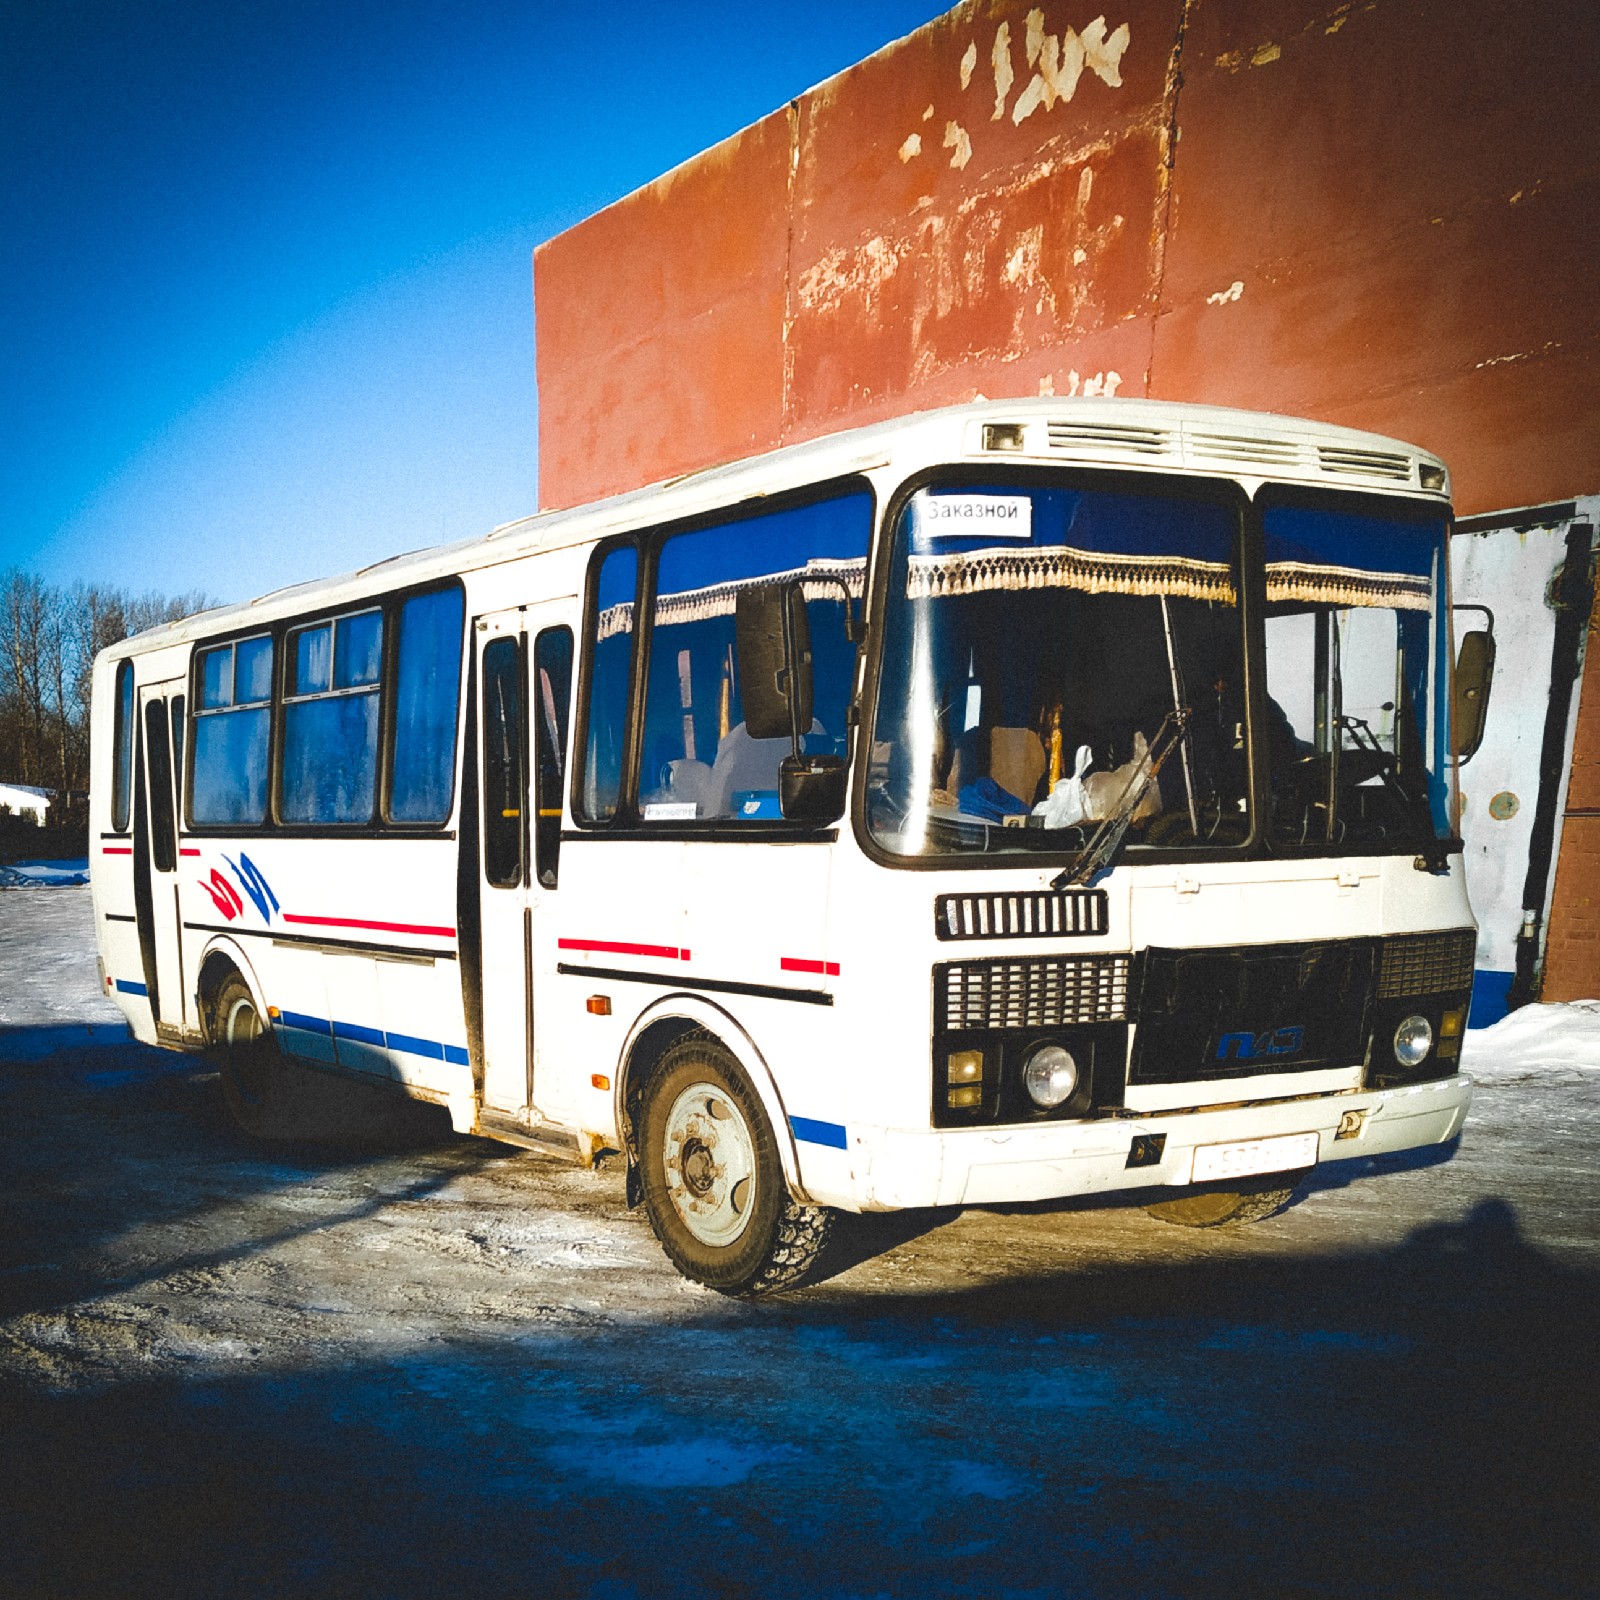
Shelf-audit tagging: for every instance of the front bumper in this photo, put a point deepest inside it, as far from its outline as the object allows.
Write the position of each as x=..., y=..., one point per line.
x=982, y=1166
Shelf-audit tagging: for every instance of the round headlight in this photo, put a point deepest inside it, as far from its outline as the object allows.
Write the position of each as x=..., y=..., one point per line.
x=1413, y=1039
x=1050, y=1075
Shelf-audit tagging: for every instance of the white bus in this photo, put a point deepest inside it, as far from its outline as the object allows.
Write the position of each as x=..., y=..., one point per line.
x=1014, y=801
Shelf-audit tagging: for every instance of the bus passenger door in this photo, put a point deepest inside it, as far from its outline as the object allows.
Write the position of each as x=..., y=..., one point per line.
x=525, y=679
x=155, y=853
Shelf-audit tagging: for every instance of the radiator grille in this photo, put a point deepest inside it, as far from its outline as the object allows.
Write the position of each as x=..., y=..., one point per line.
x=982, y=995
x=1426, y=963
x=1038, y=914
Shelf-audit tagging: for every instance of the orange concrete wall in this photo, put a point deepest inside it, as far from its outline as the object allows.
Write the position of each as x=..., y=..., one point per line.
x=1375, y=213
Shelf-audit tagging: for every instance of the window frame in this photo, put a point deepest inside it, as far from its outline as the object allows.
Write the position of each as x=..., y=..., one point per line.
x=627, y=821
x=195, y=710
x=389, y=604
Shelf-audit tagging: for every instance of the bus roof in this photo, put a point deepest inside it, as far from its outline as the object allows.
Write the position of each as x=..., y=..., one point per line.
x=1149, y=435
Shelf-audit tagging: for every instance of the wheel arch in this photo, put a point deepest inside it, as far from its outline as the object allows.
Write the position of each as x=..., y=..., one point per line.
x=658, y=1028
x=221, y=956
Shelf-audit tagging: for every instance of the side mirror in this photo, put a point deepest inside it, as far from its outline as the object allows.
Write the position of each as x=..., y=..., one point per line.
x=774, y=645
x=1474, y=675
x=812, y=788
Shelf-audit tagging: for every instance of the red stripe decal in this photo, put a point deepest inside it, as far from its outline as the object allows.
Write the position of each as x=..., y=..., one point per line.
x=614, y=947
x=186, y=851
x=825, y=969
x=116, y=849
x=374, y=927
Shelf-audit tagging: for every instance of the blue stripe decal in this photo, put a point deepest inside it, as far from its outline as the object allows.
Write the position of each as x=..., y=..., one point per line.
x=354, y=1032
x=298, y=1019
x=416, y=1047
x=828, y=1133
x=127, y=986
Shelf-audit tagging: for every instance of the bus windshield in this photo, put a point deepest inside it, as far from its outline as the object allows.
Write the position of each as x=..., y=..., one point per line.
x=1357, y=667
x=1063, y=670
x=1056, y=659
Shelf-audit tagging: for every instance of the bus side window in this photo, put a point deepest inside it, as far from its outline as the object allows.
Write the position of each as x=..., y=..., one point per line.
x=422, y=760
x=698, y=761
x=611, y=636
x=122, y=755
x=232, y=728
x=176, y=710
x=330, y=720
x=504, y=764
x=158, y=752
x=552, y=692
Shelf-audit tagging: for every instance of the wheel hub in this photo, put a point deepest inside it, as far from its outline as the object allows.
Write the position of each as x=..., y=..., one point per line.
x=710, y=1161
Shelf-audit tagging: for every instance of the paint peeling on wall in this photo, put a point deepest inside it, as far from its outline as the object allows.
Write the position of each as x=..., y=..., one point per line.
x=1000, y=57
x=955, y=138
x=912, y=147
x=1223, y=296
x=969, y=64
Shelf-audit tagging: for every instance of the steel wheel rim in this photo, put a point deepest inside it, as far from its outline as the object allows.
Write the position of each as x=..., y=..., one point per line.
x=710, y=1159
x=242, y=1035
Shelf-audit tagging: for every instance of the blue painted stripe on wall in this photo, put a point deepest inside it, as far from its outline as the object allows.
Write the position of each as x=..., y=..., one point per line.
x=830, y=1134
x=298, y=1019
x=454, y=1054
x=1490, y=991
x=128, y=986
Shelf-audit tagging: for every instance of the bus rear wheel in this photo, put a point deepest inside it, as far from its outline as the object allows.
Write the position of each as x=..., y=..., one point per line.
x=252, y=1072
x=1247, y=1201
x=713, y=1183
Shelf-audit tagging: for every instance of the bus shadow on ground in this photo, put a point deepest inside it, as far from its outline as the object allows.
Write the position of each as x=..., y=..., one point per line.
x=102, y=1136
x=1417, y=1421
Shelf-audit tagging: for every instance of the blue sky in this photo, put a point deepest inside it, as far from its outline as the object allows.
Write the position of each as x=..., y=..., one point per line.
x=266, y=267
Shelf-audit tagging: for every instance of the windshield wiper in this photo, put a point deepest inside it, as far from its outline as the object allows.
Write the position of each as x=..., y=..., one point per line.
x=1107, y=839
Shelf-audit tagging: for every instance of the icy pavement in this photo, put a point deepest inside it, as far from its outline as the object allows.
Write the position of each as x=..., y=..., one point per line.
x=430, y=1364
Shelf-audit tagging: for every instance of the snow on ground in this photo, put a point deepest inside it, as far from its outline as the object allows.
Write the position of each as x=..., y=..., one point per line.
x=424, y=1363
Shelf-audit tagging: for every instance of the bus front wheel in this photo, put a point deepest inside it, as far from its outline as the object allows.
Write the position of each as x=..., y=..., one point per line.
x=713, y=1183
x=1250, y=1201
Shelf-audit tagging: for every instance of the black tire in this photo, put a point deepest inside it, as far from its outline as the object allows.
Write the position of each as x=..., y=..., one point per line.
x=712, y=1180
x=255, y=1086
x=1208, y=1206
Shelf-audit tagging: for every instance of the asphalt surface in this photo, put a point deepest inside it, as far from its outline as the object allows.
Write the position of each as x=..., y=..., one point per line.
x=419, y=1364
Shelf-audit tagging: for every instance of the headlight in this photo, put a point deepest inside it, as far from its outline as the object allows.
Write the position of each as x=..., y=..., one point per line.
x=1413, y=1039
x=1050, y=1075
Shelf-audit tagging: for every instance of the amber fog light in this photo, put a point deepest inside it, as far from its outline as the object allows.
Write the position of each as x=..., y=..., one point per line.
x=1050, y=1075
x=1450, y=1025
x=1413, y=1039
x=964, y=1074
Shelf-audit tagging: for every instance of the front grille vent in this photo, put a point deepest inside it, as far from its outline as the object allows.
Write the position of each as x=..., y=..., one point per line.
x=1240, y=451
x=1365, y=463
x=1095, y=437
x=1426, y=963
x=984, y=995
x=1038, y=914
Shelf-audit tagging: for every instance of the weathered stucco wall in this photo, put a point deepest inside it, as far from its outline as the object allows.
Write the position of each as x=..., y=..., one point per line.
x=1375, y=213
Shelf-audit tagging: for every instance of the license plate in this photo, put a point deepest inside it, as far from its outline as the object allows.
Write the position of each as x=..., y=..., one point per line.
x=1250, y=1156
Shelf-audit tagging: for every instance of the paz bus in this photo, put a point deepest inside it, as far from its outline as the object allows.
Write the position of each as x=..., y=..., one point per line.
x=1008, y=802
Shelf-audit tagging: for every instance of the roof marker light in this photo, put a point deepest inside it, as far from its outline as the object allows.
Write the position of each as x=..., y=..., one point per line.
x=1002, y=436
